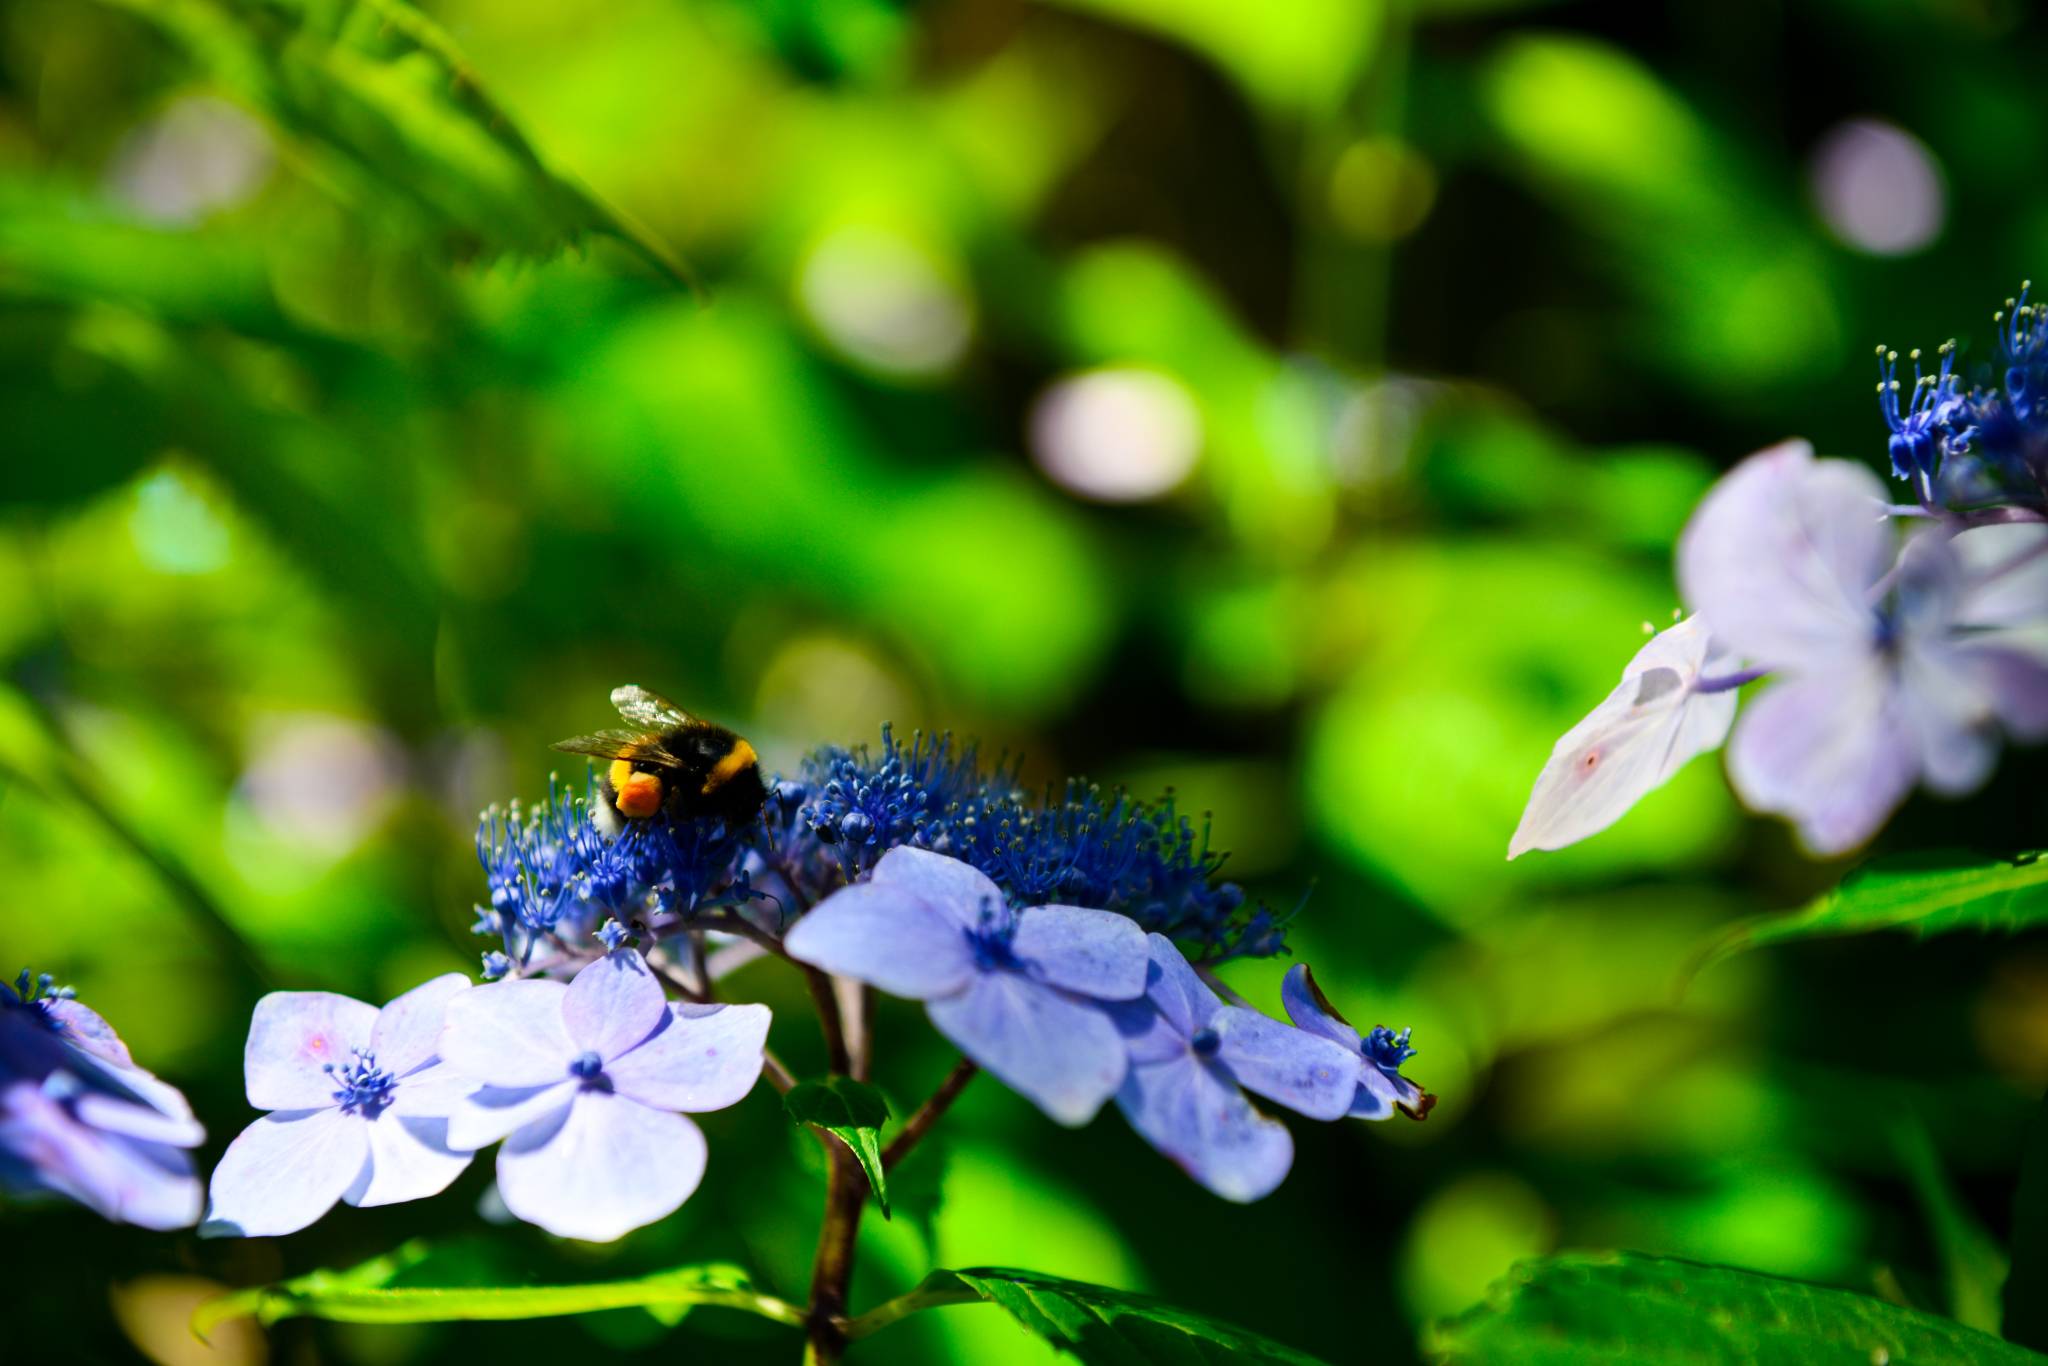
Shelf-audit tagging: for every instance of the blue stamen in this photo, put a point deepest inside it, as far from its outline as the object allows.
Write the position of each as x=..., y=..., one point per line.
x=363, y=1086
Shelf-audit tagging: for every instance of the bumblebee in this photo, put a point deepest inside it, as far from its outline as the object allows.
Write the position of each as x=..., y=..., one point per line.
x=672, y=762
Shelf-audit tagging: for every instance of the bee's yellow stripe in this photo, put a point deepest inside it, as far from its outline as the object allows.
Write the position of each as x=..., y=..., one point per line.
x=723, y=772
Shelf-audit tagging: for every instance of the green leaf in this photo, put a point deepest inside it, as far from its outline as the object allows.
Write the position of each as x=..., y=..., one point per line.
x=386, y=92
x=1973, y=1264
x=852, y=1112
x=1094, y=1323
x=1584, y=1309
x=1924, y=893
x=363, y=1294
x=2026, y=1287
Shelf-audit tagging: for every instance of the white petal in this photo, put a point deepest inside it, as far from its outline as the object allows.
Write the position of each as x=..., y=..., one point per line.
x=704, y=1058
x=1061, y=1055
x=487, y=1115
x=285, y=1171
x=409, y=1159
x=293, y=1036
x=2016, y=597
x=1780, y=555
x=409, y=1029
x=137, y=1121
x=509, y=1033
x=435, y=1091
x=1649, y=727
x=613, y=1004
x=605, y=1167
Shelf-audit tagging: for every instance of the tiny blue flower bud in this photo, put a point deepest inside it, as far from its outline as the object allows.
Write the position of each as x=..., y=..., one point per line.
x=496, y=965
x=613, y=934
x=586, y=1065
x=856, y=828
x=1205, y=1042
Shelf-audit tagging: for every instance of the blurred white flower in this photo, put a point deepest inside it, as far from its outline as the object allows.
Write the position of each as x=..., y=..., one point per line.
x=1879, y=188
x=323, y=783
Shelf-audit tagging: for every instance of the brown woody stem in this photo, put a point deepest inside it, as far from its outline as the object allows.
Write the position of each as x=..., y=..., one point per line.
x=928, y=1113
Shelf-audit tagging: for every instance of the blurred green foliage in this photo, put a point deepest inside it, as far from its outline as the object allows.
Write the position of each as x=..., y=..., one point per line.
x=381, y=386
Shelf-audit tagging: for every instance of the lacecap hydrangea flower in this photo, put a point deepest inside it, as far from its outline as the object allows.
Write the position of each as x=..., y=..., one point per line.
x=360, y=1102
x=1191, y=1060
x=1893, y=661
x=1015, y=990
x=79, y=1120
x=582, y=1080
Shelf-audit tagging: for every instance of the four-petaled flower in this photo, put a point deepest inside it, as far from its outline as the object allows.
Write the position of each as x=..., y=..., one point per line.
x=1379, y=1054
x=582, y=1079
x=1789, y=559
x=79, y=1119
x=1193, y=1058
x=1014, y=990
x=360, y=1101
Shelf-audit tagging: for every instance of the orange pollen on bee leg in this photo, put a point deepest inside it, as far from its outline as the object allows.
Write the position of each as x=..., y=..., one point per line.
x=725, y=769
x=639, y=796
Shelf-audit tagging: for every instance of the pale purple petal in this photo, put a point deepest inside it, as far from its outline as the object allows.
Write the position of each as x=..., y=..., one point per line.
x=1182, y=997
x=1942, y=701
x=509, y=1033
x=1146, y=1034
x=409, y=1029
x=43, y=1147
x=1206, y=1125
x=1830, y=752
x=487, y=1115
x=1378, y=1094
x=293, y=1035
x=285, y=1171
x=1307, y=1074
x=1061, y=1055
x=2015, y=680
x=1311, y=1010
x=2008, y=576
x=613, y=1004
x=1092, y=953
x=887, y=936
x=1649, y=727
x=409, y=1159
x=606, y=1167
x=434, y=1091
x=705, y=1057
x=84, y=1030
x=1781, y=554
x=959, y=889
x=116, y=1116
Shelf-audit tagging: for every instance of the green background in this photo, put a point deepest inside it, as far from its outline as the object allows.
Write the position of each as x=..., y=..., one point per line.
x=326, y=505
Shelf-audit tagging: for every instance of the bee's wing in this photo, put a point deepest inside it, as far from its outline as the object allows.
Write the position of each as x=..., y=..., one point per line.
x=615, y=744
x=650, y=709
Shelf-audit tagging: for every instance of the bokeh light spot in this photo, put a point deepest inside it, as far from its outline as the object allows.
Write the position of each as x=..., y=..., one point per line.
x=201, y=155
x=1879, y=188
x=882, y=302
x=1117, y=436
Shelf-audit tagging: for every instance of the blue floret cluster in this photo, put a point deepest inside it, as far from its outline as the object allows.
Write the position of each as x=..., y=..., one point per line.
x=554, y=877
x=1077, y=845
x=1981, y=446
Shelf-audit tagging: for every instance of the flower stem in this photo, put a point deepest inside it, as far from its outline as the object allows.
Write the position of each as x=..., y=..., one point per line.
x=929, y=1112
x=827, y=1003
x=846, y=1193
